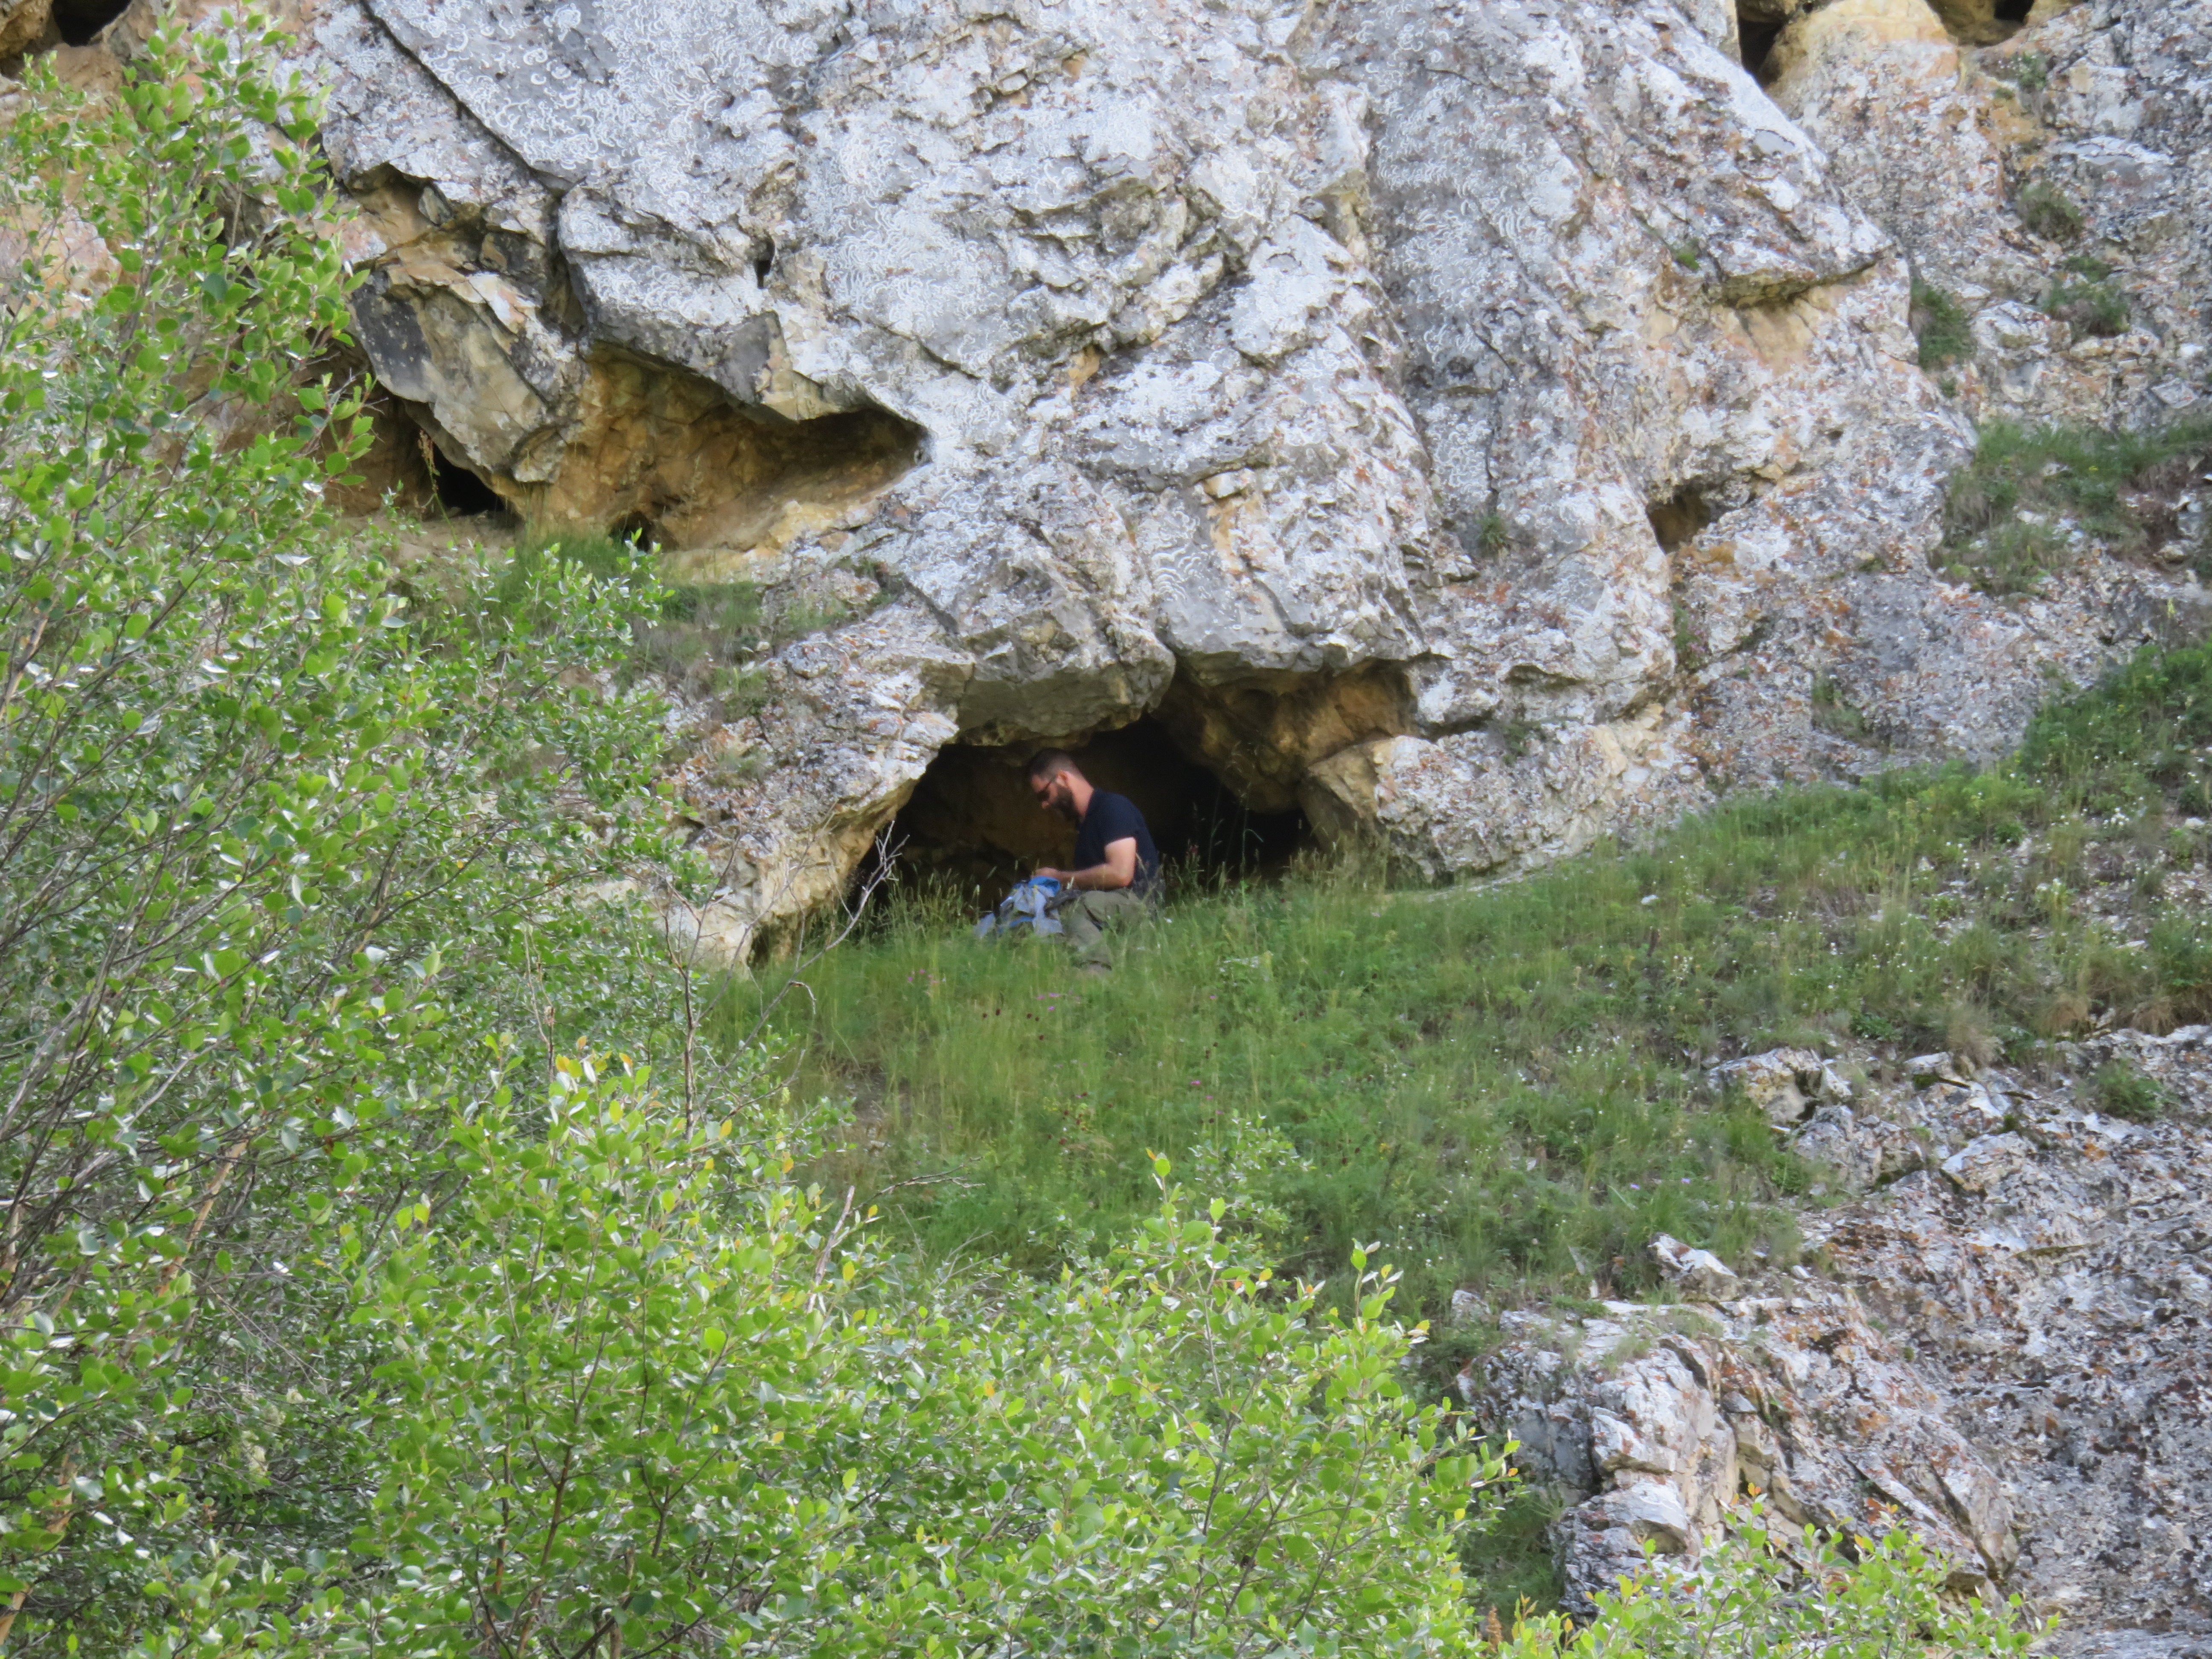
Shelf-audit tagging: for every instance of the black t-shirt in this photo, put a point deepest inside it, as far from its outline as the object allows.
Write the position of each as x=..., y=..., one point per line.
x=1111, y=818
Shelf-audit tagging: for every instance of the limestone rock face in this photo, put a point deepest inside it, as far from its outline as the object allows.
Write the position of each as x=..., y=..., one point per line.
x=1783, y=1083
x=24, y=24
x=1666, y=1420
x=1485, y=427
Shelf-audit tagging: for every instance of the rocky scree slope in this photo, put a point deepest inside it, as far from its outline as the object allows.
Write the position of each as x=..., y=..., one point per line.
x=1482, y=426
x=2007, y=1345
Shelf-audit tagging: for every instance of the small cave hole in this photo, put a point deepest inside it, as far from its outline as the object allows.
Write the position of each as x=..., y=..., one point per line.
x=972, y=828
x=1678, y=519
x=1757, y=29
x=461, y=493
x=395, y=468
x=1981, y=22
x=663, y=443
x=78, y=22
x=764, y=261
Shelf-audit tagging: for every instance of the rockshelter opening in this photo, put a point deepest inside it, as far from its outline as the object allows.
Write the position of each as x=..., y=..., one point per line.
x=972, y=825
x=461, y=493
x=1679, y=517
x=1759, y=23
x=78, y=21
x=1981, y=22
x=658, y=444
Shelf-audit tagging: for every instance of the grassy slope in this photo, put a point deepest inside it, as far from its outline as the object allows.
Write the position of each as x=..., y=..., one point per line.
x=1503, y=1085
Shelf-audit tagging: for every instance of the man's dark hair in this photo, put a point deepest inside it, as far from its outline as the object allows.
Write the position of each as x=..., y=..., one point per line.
x=1050, y=763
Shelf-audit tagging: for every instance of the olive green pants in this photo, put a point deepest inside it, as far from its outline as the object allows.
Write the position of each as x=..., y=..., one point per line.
x=1088, y=915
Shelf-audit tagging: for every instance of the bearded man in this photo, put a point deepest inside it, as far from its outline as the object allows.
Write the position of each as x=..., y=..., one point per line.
x=1115, y=882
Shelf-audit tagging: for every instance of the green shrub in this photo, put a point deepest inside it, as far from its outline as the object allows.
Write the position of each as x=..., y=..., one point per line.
x=2121, y=1090
x=286, y=856
x=2049, y=212
x=643, y=1385
x=2093, y=308
x=1941, y=326
x=1766, y=1592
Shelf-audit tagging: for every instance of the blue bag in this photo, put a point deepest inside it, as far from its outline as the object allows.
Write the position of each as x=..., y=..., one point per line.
x=1026, y=910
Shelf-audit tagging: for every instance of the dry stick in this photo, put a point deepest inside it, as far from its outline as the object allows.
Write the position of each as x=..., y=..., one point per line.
x=690, y=1026
x=886, y=856
x=236, y=1151
x=836, y=1236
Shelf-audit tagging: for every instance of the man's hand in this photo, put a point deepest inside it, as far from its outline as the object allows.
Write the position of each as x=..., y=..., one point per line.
x=1118, y=869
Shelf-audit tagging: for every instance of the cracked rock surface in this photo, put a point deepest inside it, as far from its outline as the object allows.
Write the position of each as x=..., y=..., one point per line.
x=2009, y=1346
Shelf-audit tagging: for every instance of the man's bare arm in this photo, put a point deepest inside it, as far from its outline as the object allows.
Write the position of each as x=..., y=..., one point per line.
x=1118, y=869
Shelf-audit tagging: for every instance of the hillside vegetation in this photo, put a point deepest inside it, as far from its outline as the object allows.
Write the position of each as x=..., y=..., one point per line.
x=392, y=1269
x=1505, y=1087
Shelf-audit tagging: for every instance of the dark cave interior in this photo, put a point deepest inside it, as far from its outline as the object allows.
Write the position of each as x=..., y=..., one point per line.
x=78, y=21
x=972, y=826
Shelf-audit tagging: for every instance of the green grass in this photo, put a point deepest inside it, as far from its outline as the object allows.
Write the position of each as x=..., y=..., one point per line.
x=1939, y=323
x=1835, y=713
x=1509, y=1562
x=704, y=632
x=1501, y=1087
x=2049, y=212
x=2003, y=517
x=2093, y=308
x=2119, y=1090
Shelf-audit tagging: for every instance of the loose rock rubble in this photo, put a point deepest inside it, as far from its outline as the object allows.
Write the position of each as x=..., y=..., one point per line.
x=2007, y=1345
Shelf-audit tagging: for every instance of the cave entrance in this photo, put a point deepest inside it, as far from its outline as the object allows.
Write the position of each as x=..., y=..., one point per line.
x=1677, y=520
x=972, y=827
x=461, y=494
x=80, y=22
x=662, y=448
x=1981, y=22
x=1758, y=24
